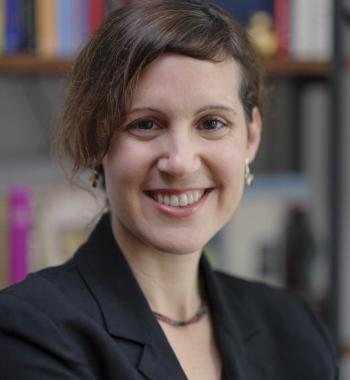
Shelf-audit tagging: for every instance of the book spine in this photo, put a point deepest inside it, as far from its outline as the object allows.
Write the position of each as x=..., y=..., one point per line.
x=13, y=32
x=46, y=28
x=311, y=29
x=19, y=230
x=80, y=25
x=2, y=26
x=282, y=26
x=4, y=239
x=323, y=29
x=97, y=12
x=84, y=23
x=64, y=28
x=28, y=22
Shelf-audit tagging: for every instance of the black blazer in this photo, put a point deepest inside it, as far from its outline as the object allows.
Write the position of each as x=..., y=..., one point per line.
x=88, y=319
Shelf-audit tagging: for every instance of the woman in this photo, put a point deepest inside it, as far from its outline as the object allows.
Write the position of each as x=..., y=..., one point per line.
x=164, y=107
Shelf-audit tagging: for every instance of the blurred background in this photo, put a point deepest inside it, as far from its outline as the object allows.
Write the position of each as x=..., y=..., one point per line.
x=293, y=226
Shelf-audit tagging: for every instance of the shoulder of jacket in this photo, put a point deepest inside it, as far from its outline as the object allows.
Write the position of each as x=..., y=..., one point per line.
x=251, y=288
x=38, y=289
x=277, y=307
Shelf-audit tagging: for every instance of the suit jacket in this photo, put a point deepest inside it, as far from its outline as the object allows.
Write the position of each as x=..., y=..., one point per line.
x=88, y=319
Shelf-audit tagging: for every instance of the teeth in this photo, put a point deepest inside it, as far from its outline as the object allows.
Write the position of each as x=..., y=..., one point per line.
x=174, y=201
x=182, y=200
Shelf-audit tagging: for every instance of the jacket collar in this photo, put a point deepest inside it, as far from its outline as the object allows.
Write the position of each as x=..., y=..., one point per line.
x=125, y=310
x=127, y=314
x=240, y=338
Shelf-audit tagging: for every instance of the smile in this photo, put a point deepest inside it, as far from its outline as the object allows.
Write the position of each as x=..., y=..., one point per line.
x=177, y=199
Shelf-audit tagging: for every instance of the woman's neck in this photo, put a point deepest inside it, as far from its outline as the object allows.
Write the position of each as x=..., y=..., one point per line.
x=169, y=281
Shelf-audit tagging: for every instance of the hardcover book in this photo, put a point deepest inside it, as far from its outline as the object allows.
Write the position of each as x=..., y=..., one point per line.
x=46, y=28
x=19, y=231
x=13, y=26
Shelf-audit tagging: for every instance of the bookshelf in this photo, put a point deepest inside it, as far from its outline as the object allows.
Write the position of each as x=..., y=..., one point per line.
x=291, y=67
x=293, y=79
x=29, y=64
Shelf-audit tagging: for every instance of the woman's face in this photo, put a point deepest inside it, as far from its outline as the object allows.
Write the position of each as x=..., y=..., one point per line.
x=175, y=169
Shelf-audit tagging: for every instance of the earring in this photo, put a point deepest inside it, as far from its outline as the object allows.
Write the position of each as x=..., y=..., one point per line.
x=95, y=176
x=248, y=176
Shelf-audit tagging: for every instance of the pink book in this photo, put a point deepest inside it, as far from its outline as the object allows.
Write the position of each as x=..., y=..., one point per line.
x=282, y=25
x=97, y=13
x=19, y=229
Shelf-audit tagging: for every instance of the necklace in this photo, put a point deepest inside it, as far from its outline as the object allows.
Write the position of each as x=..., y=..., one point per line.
x=203, y=310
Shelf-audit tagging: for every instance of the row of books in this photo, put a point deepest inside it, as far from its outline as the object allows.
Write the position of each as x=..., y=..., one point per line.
x=300, y=29
x=49, y=28
x=41, y=227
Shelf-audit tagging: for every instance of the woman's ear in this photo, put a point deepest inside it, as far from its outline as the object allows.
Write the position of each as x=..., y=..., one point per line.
x=254, y=134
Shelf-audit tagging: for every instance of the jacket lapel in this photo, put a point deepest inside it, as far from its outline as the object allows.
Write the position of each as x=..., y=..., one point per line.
x=128, y=317
x=125, y=310
x=239, y=337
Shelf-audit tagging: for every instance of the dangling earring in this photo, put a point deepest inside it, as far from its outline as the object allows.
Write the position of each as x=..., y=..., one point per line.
x=95, y=176
x=248, y=176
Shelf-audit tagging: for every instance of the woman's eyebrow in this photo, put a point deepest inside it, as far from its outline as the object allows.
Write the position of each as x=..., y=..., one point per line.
x=142, y=109
x=216, y=107
x=201, y=110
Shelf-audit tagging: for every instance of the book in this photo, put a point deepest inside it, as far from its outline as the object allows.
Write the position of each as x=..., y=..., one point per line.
x=65, y=28
x=28, y=26
x=19, y=233
x=46, y=28
x=13, y=26
x=282, y=26
x=2, y=26
x=311, y=29
x=81, y=24
x=4, y=238
x=73, y=26
x=97, y=12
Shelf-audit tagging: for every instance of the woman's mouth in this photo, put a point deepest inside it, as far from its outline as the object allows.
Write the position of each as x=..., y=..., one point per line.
x=178, y=202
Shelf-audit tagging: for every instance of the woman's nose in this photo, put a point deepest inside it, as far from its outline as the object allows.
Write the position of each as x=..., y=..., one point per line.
x=181, y=156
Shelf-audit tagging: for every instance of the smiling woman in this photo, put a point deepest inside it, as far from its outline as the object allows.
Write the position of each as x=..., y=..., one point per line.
x=164, y=154
x=165, y=107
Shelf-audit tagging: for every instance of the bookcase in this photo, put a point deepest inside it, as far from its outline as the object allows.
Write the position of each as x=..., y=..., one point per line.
x=28, y=64
x=292, y=167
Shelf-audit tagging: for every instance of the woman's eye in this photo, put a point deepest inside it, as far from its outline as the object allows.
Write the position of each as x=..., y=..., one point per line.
x=144, y=125
x=145, y=128
x=212, y=124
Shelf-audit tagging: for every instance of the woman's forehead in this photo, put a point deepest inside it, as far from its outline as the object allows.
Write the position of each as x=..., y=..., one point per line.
x=181, y=79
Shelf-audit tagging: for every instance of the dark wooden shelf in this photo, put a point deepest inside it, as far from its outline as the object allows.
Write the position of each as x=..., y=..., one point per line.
x=27, y=64
x=289, y=67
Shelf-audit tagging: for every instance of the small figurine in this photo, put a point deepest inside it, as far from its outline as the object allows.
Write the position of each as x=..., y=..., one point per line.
x=261, y=31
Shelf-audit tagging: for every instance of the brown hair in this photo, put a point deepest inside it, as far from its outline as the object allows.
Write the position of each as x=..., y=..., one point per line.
x=107, y=69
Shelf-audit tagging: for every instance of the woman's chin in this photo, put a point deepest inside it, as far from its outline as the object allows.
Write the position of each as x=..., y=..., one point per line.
x=179, y=247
